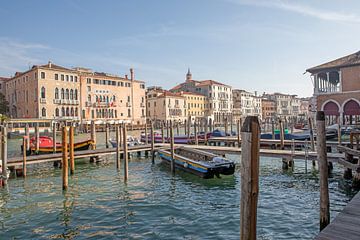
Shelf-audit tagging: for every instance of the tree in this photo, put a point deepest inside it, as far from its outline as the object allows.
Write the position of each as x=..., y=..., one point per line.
x=4, y=105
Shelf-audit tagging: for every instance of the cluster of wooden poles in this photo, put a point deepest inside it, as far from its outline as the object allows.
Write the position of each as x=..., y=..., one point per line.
x=250, y=135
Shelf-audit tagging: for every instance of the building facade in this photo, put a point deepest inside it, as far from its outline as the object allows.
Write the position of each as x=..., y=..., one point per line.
x=55, y=92
x=219, y=96
x=163, y=105
x=246, y=104
x=268, y=109
x=196, y=104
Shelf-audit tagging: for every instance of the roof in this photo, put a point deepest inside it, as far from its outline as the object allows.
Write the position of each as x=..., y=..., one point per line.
x=4, y=78
x=190, y=93
x=199, y=83
x=169, y=94
x=349, y=60
x=54, y=66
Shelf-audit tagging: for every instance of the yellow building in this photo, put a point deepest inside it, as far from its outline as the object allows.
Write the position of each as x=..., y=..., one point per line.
x=197, y=105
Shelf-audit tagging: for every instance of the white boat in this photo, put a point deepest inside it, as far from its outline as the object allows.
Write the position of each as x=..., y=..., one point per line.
x=131, y=141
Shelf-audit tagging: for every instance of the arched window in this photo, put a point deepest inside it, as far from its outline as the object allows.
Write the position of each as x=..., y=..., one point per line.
x=107, y=99
x=43, y=92
x=71, y=94
x=115, y=113
x=97, y=98
x=89, y=98
x=129, y=113
x=56, y=112
x=114, y=98
x=76, y=94
x=56, y=93
x=76, y=112
x=67, y=94
x=67, y=112
x=62, y=111
x=62, y=94
x=72, y=112
x=43, y=112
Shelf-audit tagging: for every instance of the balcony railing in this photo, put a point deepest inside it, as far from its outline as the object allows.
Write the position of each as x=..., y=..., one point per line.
x=57, y=101
x=128, y=104
x=42, y=100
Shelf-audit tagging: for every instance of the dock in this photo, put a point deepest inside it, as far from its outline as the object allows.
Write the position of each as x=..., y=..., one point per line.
x=346, y=225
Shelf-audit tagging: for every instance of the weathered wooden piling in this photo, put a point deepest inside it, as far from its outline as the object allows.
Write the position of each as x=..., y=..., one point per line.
x=272, y=129
x=64, y=158
x=162, y=132
x=172, y=151
x=152, y=143
x=107, y=135
x=205, y=131
x=177, y=128
x=93, y=135
x=282, y=134
x=238, y=134
x=311, y=134
x=4, y=154
x=118, y=139
x=24, y=156
x=37, y=138
x=27, y=134
x=71, y=149
x=339, y=133
x=146, y=134
x=189, y=128
x=226, y=125
x=195, y=132
x=167, y=130
x=250, y=134
x=54, y=137
x=185, y=124
x=125, y=155
x=323, y=170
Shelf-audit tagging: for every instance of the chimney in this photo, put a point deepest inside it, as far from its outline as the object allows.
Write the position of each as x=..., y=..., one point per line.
x=49, y=64
x=132, y=77
x=126, y=76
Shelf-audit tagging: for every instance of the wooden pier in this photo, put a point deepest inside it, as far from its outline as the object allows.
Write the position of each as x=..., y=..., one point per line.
x=346, y=225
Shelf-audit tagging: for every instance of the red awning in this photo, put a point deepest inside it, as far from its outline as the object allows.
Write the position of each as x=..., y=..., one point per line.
x=331, y=108
x=351, y=108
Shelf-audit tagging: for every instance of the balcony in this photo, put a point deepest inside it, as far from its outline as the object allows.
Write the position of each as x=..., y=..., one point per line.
x=101, y=104
x=42, y=100
x=142, y=104
x=128, y=104
x=57, y=101
x=88, y=104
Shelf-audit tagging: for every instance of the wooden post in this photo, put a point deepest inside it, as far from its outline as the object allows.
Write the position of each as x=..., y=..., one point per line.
x=4, y=154
x=24, y=156
x=37, y=138
x=231, y=125
x=189, y=128
x=64, y=158
x=93, y=135
x=281, y=126
x=348, y=171
x=152, y=143
x=205, y=130
x=177, y=128
x=226, y=125
x=172, y=147
x=54, y=137
x=125, y=154
x=238, y=134
x=107, y=135
x=195, y=133
x=323, y=170
x=27, y=134
x=250, y=134
x=118, y=144
x=71, y=150
x=185, y=124
x=146, y=134
x=273, y=129
x=162, y=132
x=311, y=135
x=167, y=131
x=339, y=133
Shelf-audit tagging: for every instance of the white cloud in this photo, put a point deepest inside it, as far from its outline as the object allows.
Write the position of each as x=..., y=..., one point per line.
x=304, y=10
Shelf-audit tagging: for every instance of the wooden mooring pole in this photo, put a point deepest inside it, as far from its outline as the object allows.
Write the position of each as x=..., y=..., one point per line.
x=4, y=154
x=323, y=170
x=250, y=134
x=172, y=147
x=185, y=124
x=54, y=137
x=117, y=136
x=195, y=133
x=238, y=134
x=93, y=135
x=64, y=158
x=152, y=143
x=162, y=132
x=24, y=155
x=37, y=138
x=27, y=134
x=107, y=135
x=146, y=134
x=71, y=149
x=125, y=154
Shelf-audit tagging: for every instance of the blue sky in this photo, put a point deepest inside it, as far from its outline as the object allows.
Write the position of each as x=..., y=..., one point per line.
x=254, y=45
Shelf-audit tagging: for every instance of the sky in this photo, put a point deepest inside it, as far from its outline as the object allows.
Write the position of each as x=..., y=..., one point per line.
x=263, y=46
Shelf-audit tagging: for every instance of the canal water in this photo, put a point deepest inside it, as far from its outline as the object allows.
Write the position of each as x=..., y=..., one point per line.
x=154, y=204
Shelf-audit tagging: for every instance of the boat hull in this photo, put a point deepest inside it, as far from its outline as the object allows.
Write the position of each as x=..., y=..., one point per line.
x=80, y=146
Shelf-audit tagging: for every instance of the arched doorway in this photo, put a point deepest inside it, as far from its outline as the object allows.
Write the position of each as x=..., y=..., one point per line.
x=331, y=110
x=351, y=111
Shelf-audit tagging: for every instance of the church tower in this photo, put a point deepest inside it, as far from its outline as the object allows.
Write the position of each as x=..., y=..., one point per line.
x=188, y=75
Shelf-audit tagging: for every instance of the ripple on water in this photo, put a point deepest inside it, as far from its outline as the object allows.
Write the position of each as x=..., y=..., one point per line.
x=154, y=204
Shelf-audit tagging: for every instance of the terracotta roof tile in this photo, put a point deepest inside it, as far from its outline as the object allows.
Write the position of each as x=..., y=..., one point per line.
x=349, y=60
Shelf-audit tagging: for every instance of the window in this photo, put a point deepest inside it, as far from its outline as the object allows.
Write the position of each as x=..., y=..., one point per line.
x=92, y=113
x=56, y=76
x=89, y=88
x=62, y=111
x=89, y=98
x=42, y=74
x=76, y=94
x=42, y=92
x=128, y=98
x=76, y=112
x=71, y=78
x=67, y=112
x=43, y=112
x=72, y=112
x=62, y=94
x=56, y=112
x=88, y=80
x=56, y=93
x=129, y=113
x=62, y=77
x=67, y=94
x=115, y=113
x=114, y=98
x=75, y=78
x=71, y=94
x=67, y=78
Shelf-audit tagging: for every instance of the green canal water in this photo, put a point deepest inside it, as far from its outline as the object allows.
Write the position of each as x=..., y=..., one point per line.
x=154, y=204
